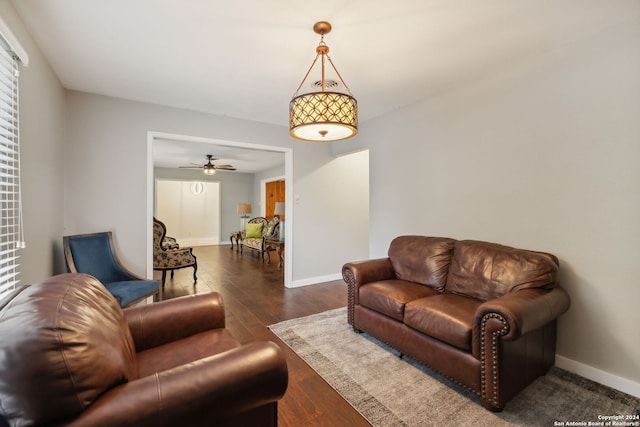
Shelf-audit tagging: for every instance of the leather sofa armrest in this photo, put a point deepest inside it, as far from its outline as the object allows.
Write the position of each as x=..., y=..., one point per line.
x=357, y=273
x=506, y=319
x=167, y=321
x=199, y=393
x=522, y=311
x=360, y=272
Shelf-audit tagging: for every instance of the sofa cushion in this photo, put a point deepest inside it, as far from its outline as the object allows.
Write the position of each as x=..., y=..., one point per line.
x=78, y=343
x=130, y=290
x=422, y=259
x=447, y=317
x=486, y=271
x=389, y=297
x=271, y=226
x=254, y=230
x=253, y=242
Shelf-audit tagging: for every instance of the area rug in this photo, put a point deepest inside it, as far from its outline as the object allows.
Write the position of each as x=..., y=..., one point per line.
x=392, y=391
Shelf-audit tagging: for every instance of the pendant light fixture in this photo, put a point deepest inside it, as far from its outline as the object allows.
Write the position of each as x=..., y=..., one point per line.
x=209, y=168
x=328, y=114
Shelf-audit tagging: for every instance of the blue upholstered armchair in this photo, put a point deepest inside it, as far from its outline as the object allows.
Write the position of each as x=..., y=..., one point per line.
x=94, y=254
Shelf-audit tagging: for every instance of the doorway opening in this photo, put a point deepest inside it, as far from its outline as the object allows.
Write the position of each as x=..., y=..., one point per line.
x=154, y=137
x=273, y=191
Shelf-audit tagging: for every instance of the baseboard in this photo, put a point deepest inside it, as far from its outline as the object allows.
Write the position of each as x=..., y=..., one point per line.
x=610, y=380
x=199, y=241
x=315, y=280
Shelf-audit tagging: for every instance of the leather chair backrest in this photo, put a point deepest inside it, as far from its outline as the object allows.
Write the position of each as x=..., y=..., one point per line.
x=64, y=342
x=422, y=259
x=485, y=271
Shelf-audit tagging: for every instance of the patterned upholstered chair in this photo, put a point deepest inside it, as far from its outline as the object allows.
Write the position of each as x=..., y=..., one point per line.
x=170, y=259
x=258, y=231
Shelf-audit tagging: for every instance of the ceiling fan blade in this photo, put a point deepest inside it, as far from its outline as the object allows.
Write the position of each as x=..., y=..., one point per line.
x=225, y=167
x=190, y=167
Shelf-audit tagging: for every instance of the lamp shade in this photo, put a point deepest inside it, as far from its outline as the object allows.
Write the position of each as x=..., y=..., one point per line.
x=323, y=116
x=244, y=208
x=279, y=209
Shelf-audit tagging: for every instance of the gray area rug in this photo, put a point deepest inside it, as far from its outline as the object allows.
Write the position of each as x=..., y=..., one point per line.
x=390, y=391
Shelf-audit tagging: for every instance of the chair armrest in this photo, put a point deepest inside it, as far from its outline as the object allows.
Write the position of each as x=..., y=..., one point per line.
x=166, y=321
x=174, y=258
x=360, y=272
x=357, y=273
x=199, y=393
x=523, y=311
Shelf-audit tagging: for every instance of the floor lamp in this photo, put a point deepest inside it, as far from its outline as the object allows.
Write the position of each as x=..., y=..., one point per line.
x=244, y=209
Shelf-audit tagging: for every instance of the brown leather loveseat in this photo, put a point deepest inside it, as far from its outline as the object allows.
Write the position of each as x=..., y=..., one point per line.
x=482, y=314
x=69, y=355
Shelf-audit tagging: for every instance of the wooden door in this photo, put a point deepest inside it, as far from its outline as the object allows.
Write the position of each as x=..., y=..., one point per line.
x=274, y=192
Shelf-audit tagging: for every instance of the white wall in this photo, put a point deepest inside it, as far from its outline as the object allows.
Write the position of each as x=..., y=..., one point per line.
x=336, y=192
x=106, y=182
x=543, y=156
x=42, y=106
x=190, y=210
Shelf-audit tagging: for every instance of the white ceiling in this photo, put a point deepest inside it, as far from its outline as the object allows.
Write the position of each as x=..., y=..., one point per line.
x=172, y=153
x=245, y=58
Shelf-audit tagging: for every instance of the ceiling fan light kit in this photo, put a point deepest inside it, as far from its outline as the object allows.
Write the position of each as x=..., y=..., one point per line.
x=327, y=115
x=209, y=168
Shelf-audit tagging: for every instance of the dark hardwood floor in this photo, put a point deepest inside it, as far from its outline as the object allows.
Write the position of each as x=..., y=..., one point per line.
x=254, y=297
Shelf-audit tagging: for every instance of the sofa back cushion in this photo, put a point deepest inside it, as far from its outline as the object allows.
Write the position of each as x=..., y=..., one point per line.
x=64, y=342
x=271, y=229
x=486, y=271
x=422, y=259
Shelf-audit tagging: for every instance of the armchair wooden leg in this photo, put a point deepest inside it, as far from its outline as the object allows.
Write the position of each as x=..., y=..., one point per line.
x=195, y=268
x=164, y=276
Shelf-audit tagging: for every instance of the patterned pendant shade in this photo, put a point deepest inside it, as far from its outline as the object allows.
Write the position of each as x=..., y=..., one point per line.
x=325, y=115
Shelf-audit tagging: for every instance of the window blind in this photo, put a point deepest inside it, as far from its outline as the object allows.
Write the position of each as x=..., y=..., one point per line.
x=11, y=238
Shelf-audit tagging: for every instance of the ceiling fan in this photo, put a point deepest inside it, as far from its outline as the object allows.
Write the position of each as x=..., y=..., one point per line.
x=209, y=168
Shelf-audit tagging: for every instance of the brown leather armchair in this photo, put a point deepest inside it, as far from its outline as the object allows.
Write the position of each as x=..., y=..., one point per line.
x=72, y=356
